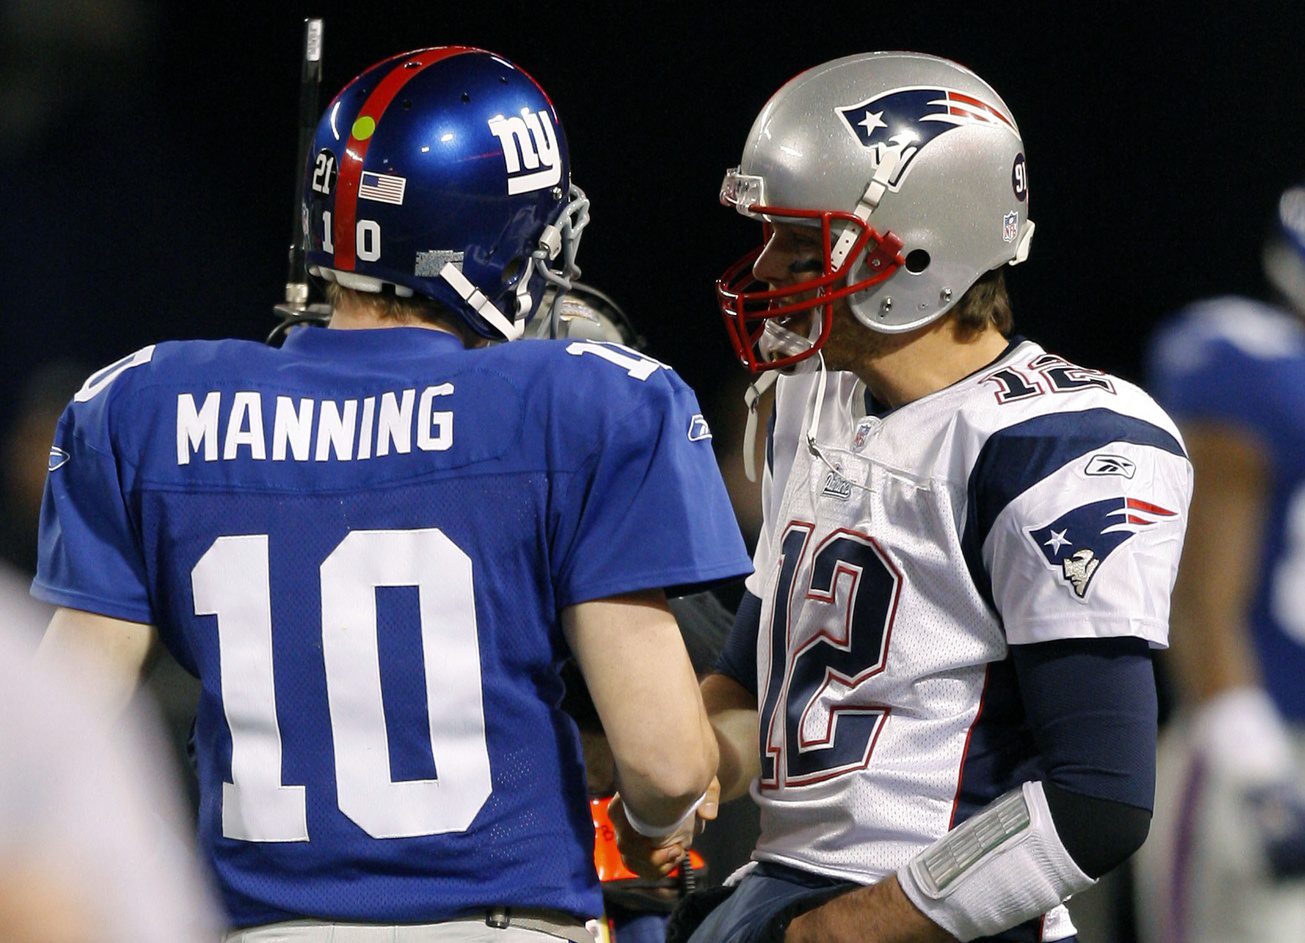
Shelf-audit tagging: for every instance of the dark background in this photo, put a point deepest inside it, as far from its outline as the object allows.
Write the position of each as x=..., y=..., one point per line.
x=147, y=153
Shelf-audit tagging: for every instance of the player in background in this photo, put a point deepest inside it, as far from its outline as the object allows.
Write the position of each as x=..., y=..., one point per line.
x=92, y=839
x=1226, y=859
x=939, y=688
x=376, y=545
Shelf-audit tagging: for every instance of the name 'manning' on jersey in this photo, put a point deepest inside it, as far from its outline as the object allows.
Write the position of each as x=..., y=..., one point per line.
x=361, y=543
x=1031, y=501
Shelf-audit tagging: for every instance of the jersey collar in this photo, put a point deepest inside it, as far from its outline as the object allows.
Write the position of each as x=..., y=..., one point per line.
x=391, y=341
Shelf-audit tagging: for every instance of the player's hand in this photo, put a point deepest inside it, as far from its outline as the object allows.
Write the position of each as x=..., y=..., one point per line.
x=1279, y=813
x=1242, y=740
x=880, y=912
x=653, y=858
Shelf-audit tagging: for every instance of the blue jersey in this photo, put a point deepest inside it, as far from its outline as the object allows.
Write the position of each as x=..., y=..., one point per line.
x=1240, y=362
x=360, y=543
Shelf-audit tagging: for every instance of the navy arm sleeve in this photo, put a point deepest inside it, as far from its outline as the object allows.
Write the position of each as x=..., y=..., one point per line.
x=738, y=660
x=1091, y=708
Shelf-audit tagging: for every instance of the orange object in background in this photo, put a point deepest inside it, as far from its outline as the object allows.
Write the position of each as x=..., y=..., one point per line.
x=607, y=859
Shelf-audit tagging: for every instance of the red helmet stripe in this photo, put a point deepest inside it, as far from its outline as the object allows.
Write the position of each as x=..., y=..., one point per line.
x=977, y=103
x=345, y=220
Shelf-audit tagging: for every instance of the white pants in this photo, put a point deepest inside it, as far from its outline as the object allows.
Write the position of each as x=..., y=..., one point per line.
x=457, y=931
x=1200, y=875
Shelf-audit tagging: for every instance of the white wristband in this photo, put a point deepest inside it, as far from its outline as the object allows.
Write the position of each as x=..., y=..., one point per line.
x=1000, y=868
x=648, y=830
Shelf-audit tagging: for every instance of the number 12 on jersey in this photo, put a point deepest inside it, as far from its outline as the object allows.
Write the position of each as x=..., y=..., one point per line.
x=231, y=581
x=815, y=720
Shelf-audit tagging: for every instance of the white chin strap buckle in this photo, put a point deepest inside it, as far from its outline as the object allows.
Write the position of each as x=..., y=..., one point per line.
x=473, y=296
x=550, y=240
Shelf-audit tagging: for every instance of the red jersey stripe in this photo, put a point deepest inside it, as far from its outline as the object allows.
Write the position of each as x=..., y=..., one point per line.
x=345, y=221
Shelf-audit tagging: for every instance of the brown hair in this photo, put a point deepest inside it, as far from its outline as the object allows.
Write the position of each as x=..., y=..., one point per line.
x=393, y=307
x=986, y=302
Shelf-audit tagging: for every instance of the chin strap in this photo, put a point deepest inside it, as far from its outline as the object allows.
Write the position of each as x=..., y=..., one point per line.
x=751, y=395
x=874, y=192
x=561, y=238
x=818, y=404
x=476, y=300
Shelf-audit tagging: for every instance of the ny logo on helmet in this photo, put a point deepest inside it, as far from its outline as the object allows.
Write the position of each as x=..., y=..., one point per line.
x=904, y=121
x=530, y=150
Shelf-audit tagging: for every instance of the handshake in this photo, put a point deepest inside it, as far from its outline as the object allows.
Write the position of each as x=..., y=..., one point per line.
x=653, y=852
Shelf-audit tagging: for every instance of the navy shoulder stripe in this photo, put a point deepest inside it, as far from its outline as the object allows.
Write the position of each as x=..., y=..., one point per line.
x=1016, y=458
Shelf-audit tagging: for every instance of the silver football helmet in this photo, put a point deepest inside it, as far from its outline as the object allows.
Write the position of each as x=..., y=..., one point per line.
x=914, y=171
x=585, y=313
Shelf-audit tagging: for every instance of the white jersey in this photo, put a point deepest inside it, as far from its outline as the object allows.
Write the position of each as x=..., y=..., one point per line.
x=1033, y=500
x=89, y=815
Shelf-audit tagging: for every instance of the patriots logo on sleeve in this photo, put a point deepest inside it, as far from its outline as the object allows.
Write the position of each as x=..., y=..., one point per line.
x=908, y=119
x=1078, y=541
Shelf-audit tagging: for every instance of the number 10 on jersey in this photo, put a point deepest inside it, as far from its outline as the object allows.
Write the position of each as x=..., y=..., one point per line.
x=231, y=581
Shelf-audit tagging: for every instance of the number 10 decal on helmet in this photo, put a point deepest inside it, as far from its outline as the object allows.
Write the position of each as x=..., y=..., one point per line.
x=445, y=173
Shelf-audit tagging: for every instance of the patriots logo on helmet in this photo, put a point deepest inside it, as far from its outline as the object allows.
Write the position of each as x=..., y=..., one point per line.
x=906, y=120
x=1076, y=543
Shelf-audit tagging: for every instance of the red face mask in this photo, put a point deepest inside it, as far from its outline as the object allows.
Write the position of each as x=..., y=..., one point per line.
x=747, y=305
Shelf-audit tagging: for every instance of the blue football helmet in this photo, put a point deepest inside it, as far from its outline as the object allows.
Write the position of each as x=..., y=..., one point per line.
x=444, y=173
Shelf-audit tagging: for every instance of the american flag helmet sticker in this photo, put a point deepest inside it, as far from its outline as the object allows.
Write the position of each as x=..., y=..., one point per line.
x=383, y=188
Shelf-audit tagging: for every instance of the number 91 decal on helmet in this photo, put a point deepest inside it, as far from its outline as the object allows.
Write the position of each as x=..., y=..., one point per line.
x=444, y=173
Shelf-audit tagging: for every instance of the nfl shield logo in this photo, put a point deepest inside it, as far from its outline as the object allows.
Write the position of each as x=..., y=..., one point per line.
x=862, y=434
x=1010, y=227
